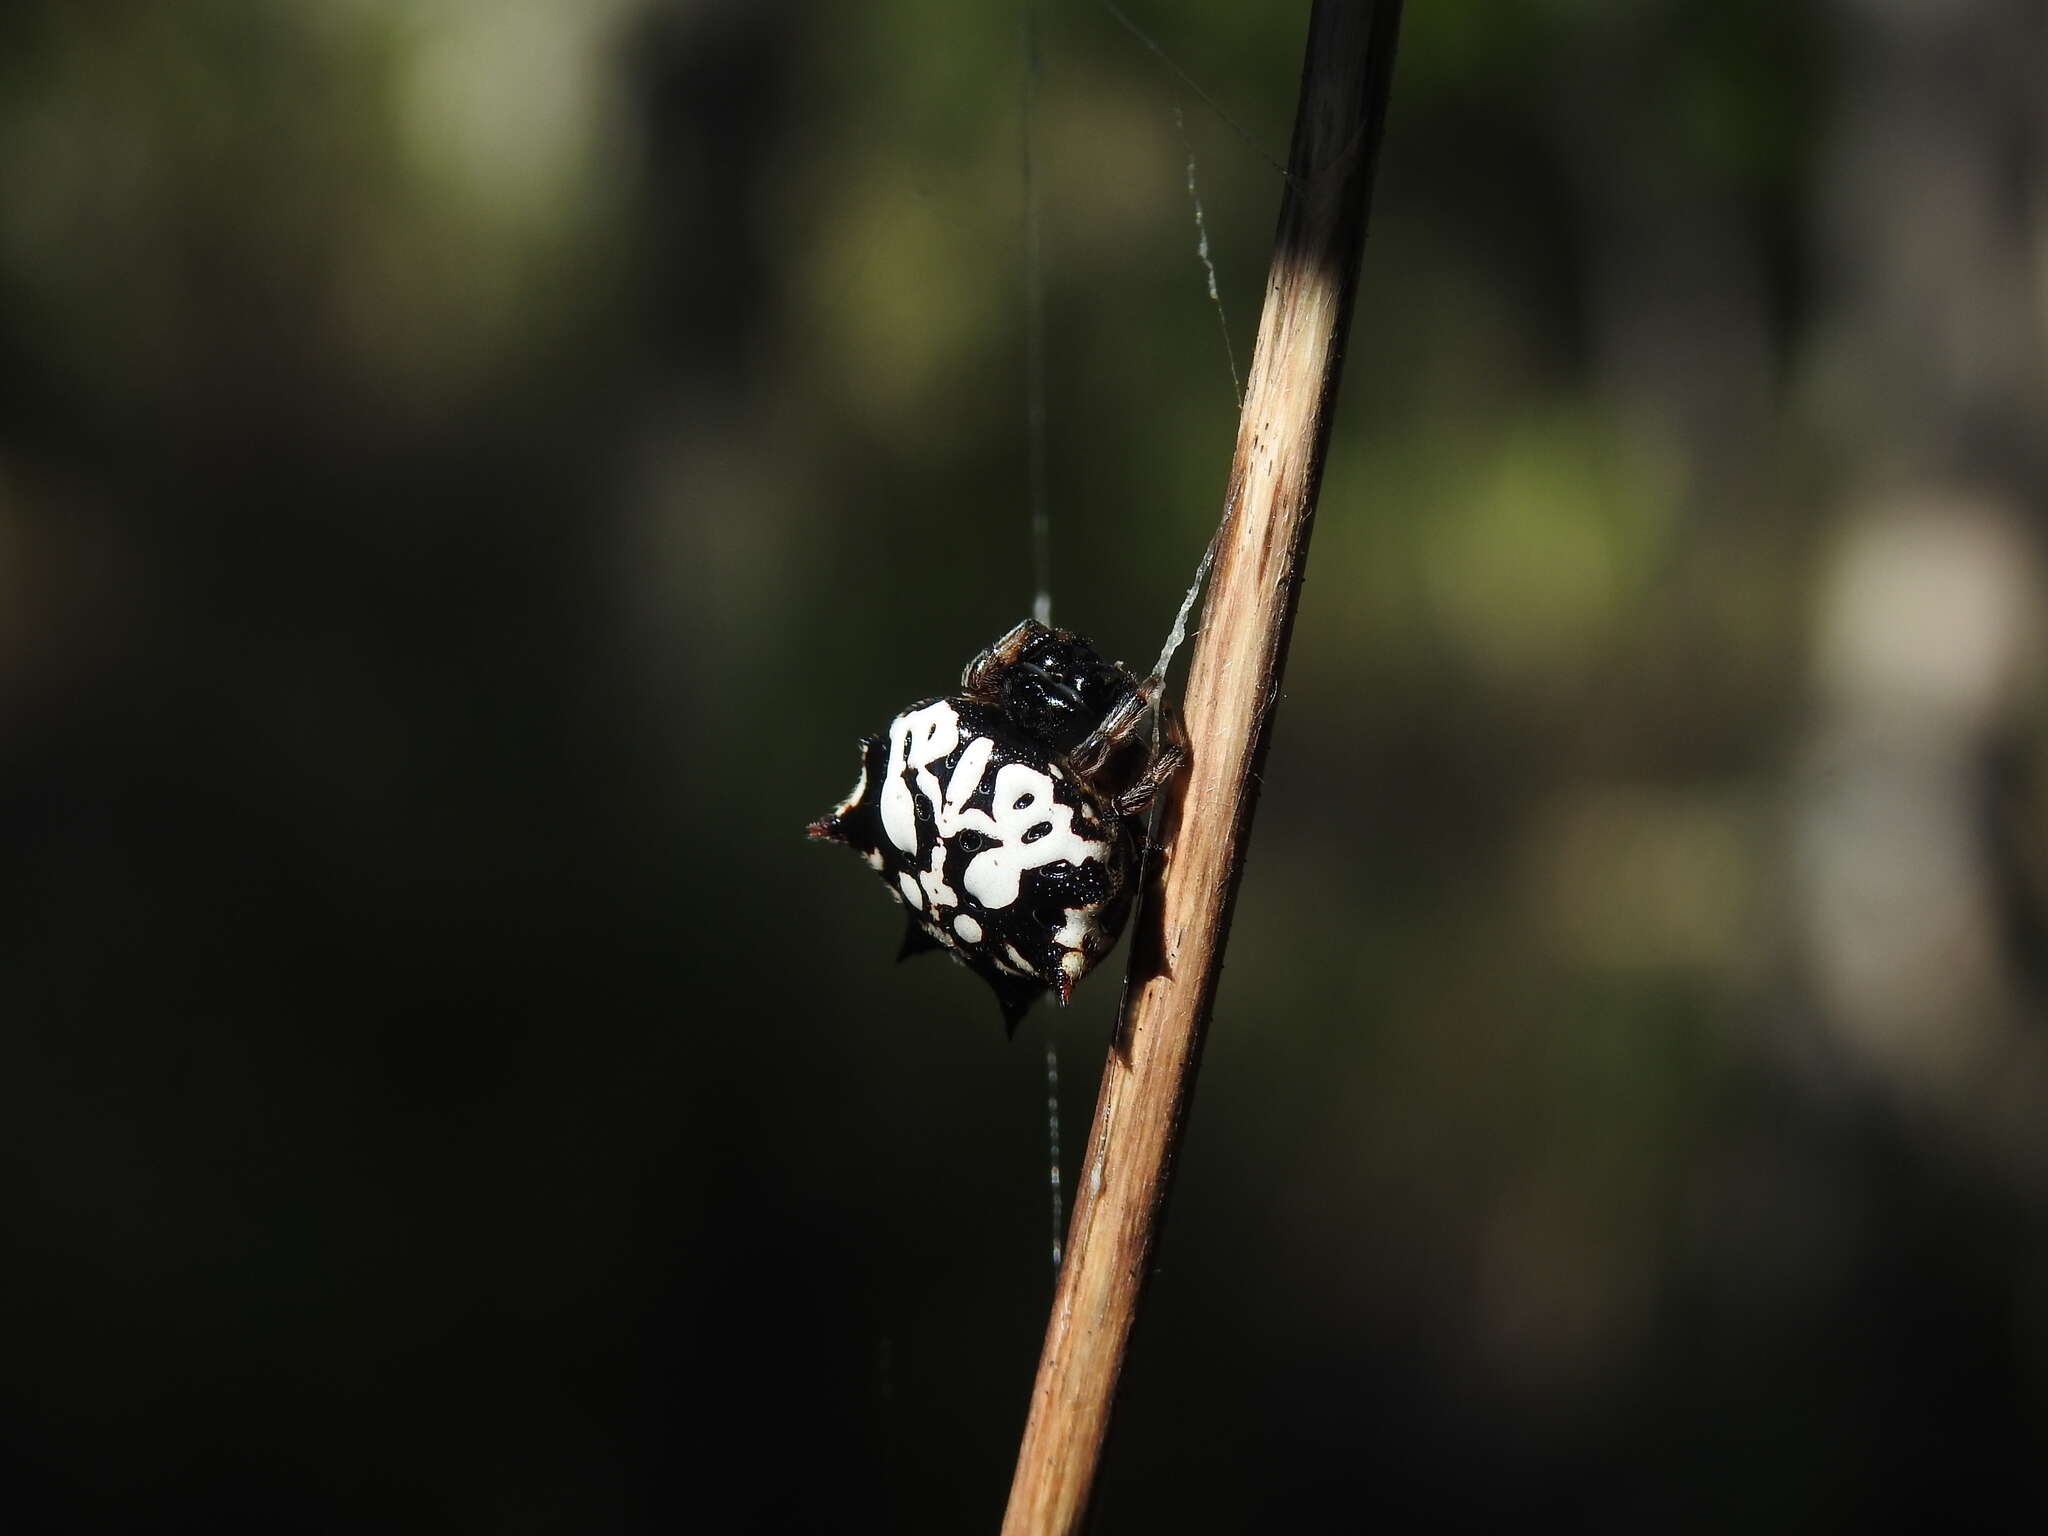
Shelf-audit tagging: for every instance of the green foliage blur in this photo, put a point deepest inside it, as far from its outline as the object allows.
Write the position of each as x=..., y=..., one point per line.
x=470, y=471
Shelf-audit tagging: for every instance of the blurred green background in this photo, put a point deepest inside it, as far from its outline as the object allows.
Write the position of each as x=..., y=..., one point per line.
x=468, y=473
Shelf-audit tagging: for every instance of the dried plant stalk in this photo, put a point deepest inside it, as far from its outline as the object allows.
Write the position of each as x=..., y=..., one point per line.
x=1233, y=682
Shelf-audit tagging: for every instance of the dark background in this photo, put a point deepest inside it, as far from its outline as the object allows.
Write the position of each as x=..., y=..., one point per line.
x=469, y=471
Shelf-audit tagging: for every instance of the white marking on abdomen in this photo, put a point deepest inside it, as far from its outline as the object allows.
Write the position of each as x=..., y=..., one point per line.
x=936, y=890
x=967, y=928
x=1023, y=800
x=859, y=789
x=1023, y=797
x=916, y=740
x=911, y=893
x=961, y=786
x=1082, y=924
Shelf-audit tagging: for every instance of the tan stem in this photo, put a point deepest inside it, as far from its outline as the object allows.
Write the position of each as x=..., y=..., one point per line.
x=1233, y=683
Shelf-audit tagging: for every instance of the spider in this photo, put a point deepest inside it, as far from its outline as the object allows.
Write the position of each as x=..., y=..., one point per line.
x=1005, y=817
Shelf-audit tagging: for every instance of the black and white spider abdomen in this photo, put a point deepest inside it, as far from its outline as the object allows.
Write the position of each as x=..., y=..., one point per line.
x=977, y=813
x=998, y=853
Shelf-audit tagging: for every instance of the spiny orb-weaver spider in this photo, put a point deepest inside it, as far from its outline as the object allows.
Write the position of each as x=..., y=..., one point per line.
x=1005, y=818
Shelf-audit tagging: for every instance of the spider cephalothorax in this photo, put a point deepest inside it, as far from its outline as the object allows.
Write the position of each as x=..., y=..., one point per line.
x=1005, y=817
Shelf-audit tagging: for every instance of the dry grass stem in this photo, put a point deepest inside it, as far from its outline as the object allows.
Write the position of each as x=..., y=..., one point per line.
x=1233, y=682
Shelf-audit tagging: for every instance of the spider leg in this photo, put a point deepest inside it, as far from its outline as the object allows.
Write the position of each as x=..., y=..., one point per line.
x=978, y=679
x=1166, y=763
x=1117, y=727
